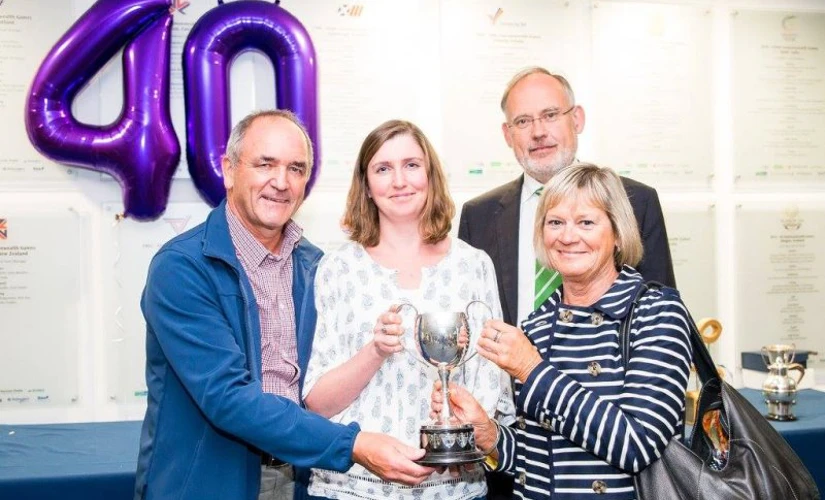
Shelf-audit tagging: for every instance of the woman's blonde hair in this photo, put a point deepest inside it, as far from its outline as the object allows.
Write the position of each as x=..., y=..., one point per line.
x=361, y=216
x=603, y=188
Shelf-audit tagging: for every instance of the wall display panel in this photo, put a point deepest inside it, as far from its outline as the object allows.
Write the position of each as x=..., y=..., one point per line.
x=43, y=270
x=692, y=237
x=131, y=246
x=778, y=73
x=370, y=60
x=780, y=274
x=483, y=44
x=27, y=32
x=652, y=112
x=320, y=217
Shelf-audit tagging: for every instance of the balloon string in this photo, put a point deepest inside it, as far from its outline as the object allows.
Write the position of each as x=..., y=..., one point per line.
x=118, y=279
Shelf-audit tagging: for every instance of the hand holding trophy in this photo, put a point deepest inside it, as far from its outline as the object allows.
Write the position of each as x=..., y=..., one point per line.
x=443, y=340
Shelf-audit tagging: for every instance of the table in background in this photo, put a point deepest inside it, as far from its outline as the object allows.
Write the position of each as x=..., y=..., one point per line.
x=69, y=461
x=806, y=435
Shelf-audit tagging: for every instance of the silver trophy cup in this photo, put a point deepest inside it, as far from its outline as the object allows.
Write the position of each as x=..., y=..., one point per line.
x=780, y=388
x=442, y=339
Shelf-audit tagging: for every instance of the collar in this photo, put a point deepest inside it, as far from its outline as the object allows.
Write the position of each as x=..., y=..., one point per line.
x=251, y=251
x=617, y=299
x=528, y=189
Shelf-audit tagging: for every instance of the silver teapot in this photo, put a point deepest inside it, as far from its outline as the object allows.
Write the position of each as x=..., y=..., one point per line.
x=779, y=389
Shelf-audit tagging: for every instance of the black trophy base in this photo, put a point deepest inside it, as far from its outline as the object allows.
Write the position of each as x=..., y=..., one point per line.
x=448, y=445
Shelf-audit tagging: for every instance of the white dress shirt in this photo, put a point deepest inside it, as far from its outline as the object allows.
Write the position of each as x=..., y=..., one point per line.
x=526, y=253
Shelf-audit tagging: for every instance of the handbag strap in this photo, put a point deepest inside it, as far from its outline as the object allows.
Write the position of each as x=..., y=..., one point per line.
x=705, y=367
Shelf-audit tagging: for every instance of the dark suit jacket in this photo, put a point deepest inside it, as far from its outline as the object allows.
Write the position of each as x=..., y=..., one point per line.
x=491, y=221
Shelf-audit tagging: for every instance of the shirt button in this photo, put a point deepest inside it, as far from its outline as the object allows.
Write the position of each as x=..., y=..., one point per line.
x=594, y=368
x=597, y=318
x=566, y=315
x=599, y=487
x=521, y=423
x=522, y=478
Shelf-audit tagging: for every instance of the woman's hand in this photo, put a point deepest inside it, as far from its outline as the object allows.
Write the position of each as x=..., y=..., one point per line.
x=387, y=333
x=509, y=348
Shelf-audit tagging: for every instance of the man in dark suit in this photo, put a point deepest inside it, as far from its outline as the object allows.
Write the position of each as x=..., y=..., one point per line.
x=542, y=127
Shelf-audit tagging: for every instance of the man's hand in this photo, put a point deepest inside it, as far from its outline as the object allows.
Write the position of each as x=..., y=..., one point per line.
x=389, y=458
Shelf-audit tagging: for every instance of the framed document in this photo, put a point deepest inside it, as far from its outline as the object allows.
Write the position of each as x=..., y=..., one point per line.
x=657, y=57
x=483, y=44
x=778, y=63
x=780, y=274
x=372, y=63
x=27, y=32
x=131, y=246
x=44, y=271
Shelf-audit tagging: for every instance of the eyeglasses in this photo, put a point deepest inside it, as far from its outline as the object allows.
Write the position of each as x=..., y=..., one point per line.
x=523, y=122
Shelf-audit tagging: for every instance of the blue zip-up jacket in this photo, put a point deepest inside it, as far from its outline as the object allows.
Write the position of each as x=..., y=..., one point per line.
x=207, y=414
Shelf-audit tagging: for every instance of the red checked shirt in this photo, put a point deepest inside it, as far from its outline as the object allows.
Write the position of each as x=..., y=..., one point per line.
x=271, y=279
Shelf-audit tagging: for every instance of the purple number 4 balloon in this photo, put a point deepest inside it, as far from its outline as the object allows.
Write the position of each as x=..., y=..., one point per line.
x=140, y=148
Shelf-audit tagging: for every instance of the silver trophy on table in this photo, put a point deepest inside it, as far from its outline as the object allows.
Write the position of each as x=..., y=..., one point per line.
x=780, y=389
x=442, y=339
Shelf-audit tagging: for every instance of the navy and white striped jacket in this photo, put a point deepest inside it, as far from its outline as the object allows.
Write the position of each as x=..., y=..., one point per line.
x=583, y=423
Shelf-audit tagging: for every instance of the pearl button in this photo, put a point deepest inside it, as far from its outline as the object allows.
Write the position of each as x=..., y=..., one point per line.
x=594, y=368
x=597, y=318
x=566, y=315
x=600, y=487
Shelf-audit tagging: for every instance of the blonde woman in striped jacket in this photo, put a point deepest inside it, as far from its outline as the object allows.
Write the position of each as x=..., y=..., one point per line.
x=585, y=422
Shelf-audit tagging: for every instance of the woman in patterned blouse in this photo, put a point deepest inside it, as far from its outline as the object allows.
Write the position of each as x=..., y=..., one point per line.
x=585, y=423
x=398, y=215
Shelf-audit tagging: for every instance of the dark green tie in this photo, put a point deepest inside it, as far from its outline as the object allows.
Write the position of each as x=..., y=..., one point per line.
x=546, y=280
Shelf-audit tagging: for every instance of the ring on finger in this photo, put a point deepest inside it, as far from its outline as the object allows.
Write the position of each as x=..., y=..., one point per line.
x=498, y=335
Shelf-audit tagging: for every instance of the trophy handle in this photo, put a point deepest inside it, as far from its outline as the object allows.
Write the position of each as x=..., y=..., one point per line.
x=766, y=357
x=801, y=369
x=467, y=314
x=793, y=355
x=412, y=353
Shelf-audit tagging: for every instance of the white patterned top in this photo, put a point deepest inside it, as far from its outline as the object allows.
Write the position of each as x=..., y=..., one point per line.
x=351, y=291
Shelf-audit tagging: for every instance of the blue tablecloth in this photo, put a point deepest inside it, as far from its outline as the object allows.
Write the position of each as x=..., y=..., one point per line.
x=806, y=435
x=98, y=460
x=69, y=461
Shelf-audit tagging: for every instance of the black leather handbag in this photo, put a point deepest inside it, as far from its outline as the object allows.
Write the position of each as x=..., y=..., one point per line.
x=759, y=463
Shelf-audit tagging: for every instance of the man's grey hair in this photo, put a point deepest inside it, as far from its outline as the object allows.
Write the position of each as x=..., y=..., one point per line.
x=532, y=70
x=233, y=145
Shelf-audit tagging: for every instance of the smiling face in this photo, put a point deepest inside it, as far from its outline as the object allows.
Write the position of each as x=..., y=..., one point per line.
x=579, y=241
x=542, y=149
x=266, y=187
x=397, y=180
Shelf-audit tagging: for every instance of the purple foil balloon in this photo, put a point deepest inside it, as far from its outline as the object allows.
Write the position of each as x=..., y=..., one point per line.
x=215, y=40
x=140, y=148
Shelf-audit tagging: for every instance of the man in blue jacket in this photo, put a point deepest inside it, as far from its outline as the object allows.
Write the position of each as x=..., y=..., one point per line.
x=230, y=314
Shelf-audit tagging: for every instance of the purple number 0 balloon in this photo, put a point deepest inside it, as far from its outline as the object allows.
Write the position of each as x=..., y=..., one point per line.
x=219, y=36
x=140, y=148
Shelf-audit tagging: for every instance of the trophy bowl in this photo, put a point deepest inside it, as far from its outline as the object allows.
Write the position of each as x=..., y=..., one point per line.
x=442, y=339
